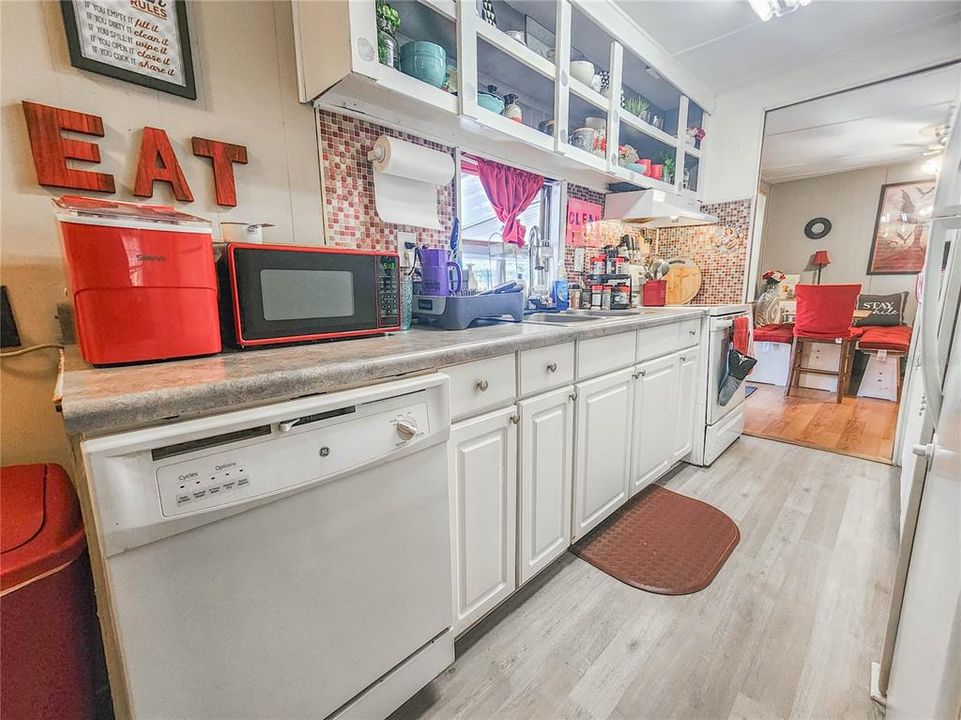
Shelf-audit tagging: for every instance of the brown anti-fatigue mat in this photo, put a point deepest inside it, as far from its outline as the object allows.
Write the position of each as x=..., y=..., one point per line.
x=662, y=542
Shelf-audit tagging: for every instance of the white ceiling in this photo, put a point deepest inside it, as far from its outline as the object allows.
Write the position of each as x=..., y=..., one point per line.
x=724, y=44
x=876, y=125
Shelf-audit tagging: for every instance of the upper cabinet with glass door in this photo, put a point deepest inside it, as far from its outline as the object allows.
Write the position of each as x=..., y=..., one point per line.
x=567, y=88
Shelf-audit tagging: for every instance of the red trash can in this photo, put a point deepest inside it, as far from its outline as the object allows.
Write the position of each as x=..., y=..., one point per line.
x=49, y=637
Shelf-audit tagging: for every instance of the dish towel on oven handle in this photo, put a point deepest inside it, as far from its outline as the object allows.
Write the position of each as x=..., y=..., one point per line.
x=738, y=367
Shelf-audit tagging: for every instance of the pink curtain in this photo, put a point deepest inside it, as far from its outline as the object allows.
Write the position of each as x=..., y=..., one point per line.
x=510, y=191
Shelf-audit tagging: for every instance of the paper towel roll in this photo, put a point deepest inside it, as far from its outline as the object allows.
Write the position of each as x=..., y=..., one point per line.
x=406, y=177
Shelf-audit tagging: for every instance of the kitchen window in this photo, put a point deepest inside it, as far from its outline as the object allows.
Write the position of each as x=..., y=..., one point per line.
x=482, y=247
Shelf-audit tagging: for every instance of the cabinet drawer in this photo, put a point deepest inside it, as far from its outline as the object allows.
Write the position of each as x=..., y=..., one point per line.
x=545, y=368
x=481, y=385
x=605, y=354
x=690, y=333
x=656, y=341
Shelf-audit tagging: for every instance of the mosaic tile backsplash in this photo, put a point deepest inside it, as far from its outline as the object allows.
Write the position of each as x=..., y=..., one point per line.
x=350, y=216
x=719, y=250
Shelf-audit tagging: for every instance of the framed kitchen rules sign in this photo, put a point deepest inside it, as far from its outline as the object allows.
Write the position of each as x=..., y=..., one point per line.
x=145, y=42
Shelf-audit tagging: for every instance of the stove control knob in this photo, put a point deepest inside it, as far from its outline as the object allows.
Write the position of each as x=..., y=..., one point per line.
x=406, y=428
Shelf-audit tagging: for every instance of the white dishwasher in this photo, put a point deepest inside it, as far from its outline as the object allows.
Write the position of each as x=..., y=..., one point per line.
x=289, y=561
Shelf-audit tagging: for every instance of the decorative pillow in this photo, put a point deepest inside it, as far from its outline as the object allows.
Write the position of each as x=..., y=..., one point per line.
x=885, y=309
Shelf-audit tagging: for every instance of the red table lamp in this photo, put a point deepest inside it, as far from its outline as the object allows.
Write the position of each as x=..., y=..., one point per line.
x=820, y=260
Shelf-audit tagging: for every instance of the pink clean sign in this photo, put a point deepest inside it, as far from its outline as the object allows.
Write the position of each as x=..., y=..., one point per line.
x=580, y=214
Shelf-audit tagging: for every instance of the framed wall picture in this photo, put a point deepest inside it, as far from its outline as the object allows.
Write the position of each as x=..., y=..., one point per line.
x=145, y=42
x=901, y=228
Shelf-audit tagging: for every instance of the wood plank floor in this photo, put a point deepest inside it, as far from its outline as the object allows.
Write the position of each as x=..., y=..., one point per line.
x=788, y=628
x=861, y=427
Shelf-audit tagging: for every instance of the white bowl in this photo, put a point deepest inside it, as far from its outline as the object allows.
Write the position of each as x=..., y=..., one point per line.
x=582, y=70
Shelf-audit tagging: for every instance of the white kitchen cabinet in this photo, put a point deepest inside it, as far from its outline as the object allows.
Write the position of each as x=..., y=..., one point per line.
x=483, y=468
x=338, y=69
x=655, y=412
x=544, y=494
x=665, y=397
x=687, y=369
x=602, y=448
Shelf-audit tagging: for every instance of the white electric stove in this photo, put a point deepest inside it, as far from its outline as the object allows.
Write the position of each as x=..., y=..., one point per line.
x=721, y=424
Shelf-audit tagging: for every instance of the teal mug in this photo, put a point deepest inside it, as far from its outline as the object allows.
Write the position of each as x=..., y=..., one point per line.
x=425, y=61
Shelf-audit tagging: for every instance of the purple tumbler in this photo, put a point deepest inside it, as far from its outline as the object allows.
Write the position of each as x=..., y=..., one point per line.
x=436, y=272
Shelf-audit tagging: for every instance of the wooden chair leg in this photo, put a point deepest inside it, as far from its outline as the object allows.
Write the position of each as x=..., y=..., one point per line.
x=793, y=363
x=844, y=368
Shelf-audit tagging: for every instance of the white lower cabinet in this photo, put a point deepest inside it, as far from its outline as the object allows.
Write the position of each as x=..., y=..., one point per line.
x=665, y=397
x=602, y=448
x=686, y=399
x=544, y=494
x=655, y=400
x=483, y=468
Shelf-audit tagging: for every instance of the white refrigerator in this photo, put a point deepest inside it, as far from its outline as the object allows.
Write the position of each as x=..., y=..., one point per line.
x=919, y=674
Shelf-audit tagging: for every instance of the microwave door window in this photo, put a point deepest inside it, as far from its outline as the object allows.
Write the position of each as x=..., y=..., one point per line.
x=306, y=294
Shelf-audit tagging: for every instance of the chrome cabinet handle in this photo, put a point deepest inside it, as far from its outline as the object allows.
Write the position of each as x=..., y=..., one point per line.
x=573, y=396
x=482, y=385
x=692, y=333
x=515, y=419
x=552, y=367
x=683, y=358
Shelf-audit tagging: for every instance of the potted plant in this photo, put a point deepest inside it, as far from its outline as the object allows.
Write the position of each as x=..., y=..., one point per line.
x=667, y=160
x=388, y=20
x=637, y=106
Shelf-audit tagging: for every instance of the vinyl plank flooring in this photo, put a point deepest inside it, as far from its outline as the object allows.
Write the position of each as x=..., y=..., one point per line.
x=787, y=629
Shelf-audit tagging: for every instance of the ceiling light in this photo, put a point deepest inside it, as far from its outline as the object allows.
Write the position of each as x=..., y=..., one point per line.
x=932, y=166
x=766, y=9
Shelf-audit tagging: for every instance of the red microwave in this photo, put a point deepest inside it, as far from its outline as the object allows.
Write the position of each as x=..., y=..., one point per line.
x=274, y=294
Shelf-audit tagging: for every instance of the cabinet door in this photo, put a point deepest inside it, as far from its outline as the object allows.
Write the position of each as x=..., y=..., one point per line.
x=655, y=405
x=546, y=464
x=483, y=469
x=687, y=364
x=602, y=448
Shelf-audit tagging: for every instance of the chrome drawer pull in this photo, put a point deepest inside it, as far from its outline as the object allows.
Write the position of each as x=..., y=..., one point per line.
x=552, y=367
x=482, y=385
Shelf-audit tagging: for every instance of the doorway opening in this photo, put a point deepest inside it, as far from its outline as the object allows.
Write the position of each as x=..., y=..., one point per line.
x=845, y=196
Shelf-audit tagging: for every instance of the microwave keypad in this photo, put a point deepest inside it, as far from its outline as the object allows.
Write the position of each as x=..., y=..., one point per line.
x=388, y=290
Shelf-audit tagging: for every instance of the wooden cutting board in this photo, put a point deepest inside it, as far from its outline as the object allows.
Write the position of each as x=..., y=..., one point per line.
x=683, y=282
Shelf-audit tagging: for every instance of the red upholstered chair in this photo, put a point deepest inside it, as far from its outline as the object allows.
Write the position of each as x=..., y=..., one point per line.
x=824, y=315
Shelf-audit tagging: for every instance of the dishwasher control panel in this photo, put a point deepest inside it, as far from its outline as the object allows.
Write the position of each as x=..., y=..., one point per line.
x=287, y=454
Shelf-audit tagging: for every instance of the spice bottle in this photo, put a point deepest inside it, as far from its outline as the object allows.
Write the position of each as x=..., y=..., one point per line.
x=621, y=297
x=597, y=299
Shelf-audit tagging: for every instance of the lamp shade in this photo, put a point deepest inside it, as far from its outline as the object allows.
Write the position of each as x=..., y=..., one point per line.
x=821, y=258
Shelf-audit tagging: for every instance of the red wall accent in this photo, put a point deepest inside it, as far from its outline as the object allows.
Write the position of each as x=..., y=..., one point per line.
x=51, y=150
x=158, y=162
x=223, y=156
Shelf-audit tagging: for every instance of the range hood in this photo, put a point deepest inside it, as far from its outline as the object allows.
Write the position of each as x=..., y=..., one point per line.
x=655, y=208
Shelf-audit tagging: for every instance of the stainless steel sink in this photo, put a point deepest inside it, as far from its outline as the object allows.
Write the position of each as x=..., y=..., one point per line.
x=559, y=318
x=620, y=313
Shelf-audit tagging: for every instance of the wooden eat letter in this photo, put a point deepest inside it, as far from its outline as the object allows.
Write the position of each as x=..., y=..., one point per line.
x=159, y=162
x=222, y=155
x=51, y=150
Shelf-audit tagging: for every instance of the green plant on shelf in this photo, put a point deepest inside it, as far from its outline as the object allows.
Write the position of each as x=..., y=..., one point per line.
x=668, y=160
x=637, y=106
x=388, y=18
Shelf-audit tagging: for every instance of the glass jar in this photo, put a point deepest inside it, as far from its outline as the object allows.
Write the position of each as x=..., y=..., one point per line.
x=406, y=300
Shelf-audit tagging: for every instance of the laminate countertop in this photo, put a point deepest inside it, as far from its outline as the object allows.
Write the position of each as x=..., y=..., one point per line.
x=101, y=400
